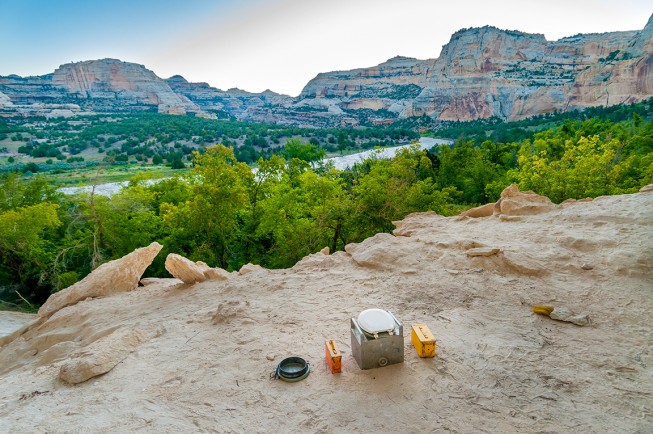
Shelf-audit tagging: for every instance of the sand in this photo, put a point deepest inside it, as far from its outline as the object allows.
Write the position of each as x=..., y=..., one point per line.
x=208, y=349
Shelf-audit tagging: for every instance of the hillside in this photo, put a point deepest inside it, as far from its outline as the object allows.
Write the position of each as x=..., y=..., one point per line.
x=481, y=73
x=198, y=357
x=485, y=72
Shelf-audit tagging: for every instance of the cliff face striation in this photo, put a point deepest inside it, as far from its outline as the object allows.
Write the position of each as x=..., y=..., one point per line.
x=486, y=71
x=106, y=85
x=233, y=102
x=481, y=72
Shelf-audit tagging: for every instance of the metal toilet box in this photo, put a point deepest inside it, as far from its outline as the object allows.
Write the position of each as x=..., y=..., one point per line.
x=423, y=340
x=379, y=349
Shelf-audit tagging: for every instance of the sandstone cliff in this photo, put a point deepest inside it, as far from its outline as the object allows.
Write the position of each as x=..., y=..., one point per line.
x=106, y=85
x=481, y=72
x=181, y=357
x=111, y=79
x=486, y=71
x=233, y=102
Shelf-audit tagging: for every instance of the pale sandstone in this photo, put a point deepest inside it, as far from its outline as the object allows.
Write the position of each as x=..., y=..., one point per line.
x=480, y=211
x=184, y=269
x=486, y=71
x=567, y=315
x=116, y=276
x=250, y=268
x=646, y=188
x=498, y=366
x=482, y=251
x=101, y=356
x=212, y=273
x=112, y=78
x=517, y=203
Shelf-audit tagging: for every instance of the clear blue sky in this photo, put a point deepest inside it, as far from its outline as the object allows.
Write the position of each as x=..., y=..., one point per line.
x=275, y=44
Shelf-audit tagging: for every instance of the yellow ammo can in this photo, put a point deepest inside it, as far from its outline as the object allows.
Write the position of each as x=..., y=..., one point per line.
x=423, y=340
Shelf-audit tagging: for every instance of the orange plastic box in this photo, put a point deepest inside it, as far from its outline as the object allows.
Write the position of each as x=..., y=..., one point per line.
x=423, y=340
x=333, y=357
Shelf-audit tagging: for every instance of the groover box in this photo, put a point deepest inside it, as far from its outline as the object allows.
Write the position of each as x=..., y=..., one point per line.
x=377, y=339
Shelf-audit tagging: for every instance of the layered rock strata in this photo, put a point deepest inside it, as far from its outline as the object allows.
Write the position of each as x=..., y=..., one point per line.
x=484, y=72
x=480, y=73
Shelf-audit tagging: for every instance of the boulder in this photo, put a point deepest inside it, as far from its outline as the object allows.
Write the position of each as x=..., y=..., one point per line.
x=250, y=268
x=116, y=276
x=515, y=202
x=480, y=211
x=192, y=272
x=212, y=273
x=184, y=269
x=101, y=356
x=383, y=251
x=565, y=314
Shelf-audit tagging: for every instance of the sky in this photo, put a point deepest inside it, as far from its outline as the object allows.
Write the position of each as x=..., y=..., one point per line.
x=275, y=44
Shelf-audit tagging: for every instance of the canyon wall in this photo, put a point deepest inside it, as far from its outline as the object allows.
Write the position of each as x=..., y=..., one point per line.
x=480, y=73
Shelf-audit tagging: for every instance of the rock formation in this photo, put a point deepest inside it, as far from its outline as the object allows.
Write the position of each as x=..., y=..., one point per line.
x=233, y=102
x=515, y=202
x=116, y=276
x=198, y=358
x=101, y=356
x=486, y=71
x=481, y=72
x=192, y=272
x=106, y=86
x=250, y=268
x=123, y=82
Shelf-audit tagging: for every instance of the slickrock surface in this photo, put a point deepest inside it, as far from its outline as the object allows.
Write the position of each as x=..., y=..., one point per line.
x=209, y=348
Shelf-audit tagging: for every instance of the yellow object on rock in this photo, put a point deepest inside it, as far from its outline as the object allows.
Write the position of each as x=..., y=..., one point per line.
x=543, y=310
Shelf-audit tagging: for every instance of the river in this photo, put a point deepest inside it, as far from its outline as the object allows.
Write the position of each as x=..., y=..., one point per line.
x=340, y=163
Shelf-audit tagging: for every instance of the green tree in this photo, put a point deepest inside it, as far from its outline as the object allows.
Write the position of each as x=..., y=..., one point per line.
x=303, y=213
x=468, y=170
x=588, y=167
x=207, y=225
x=25, y=251
x=393, y=188
x=309, y=152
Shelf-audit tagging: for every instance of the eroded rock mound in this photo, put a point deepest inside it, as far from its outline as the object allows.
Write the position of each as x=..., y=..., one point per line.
x=119, y=275
x=480, y=211
x=101, y=356
x=250, y=268
x=494, y=353
x=383, y=251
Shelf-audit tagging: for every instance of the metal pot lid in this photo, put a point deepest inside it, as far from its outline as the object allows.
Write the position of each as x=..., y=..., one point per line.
x=375, y=321
x=292, y=369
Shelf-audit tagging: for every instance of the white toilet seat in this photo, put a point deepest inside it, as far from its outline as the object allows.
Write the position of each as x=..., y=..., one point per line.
x=374, y=321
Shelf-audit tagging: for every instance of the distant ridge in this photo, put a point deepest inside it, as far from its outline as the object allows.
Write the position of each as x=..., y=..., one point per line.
x=481, y=72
